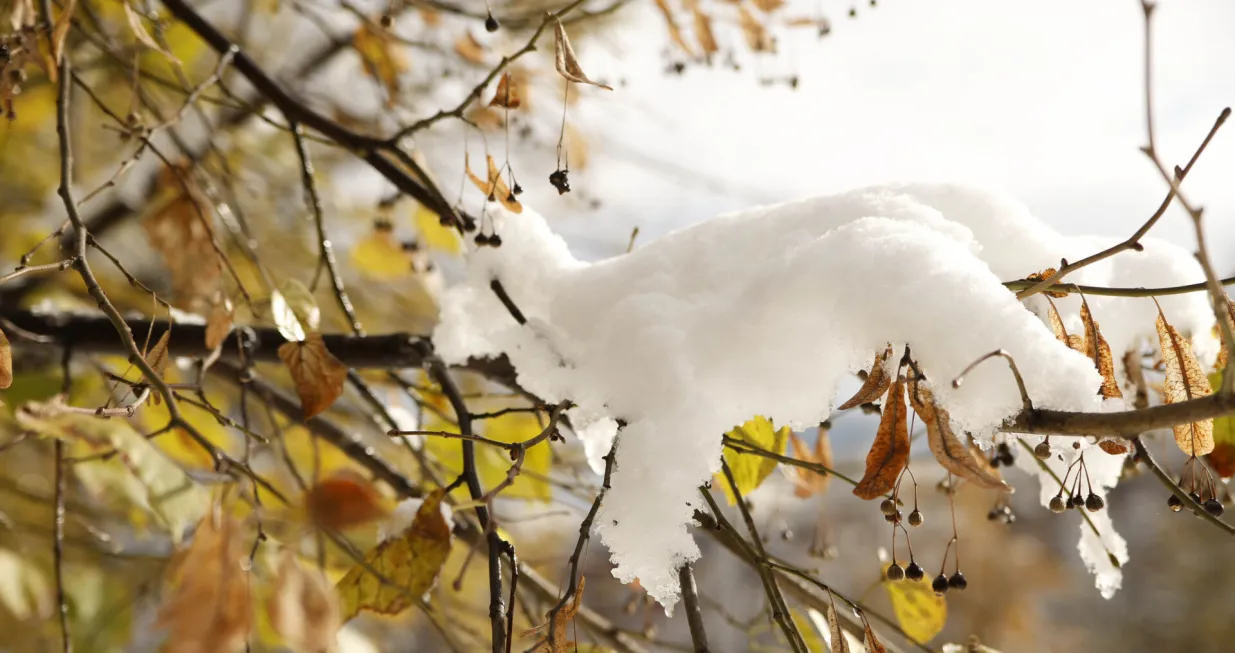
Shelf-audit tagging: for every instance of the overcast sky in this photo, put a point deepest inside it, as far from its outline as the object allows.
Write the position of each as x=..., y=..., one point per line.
x=1042, y=99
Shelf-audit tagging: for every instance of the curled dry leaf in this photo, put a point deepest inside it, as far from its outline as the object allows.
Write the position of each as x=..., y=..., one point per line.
x=303, y=608
x=877, y=382
x=1114, y=446
x=140, y=33
x=469, y=49
x=219, y=323
x=837, y=641
x=208, y=608
x=157, y=358
x=495, y=188
x=408, y=564
x=1044, y=275
x=567, y=64
x=768, y=6
x=506, y=95
x=1056, y=322
x=703, y=32
x=1229, y=316
x=318, y=375
x=809, y=483
x=556, y=642
x=180, y=231
x=873, y=645
x=6, y=361
x=757, y=37
x=948, y=449
x=890, y=452
x=1098, y=351
x=671, y=23
x=344, y=500
x=1184, y=381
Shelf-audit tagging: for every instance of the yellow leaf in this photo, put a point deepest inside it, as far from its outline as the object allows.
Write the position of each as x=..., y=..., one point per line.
x=889, y=453
x=177, y=444
x=379, y=257
x=381, y=57
x=408, y=564
x=1184, y=381
x=749, y=469
x=303, y=608
x=139, y=31
x=920, y=612
x=814, y=643
x=24, y=591
x=433, y=233
x=318, y=375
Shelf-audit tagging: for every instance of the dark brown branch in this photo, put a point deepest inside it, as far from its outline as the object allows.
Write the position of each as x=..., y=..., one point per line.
x=1125, y=424
x=694, y=616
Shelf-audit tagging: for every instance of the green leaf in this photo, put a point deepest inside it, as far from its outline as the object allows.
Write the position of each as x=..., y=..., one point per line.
x=750, y=469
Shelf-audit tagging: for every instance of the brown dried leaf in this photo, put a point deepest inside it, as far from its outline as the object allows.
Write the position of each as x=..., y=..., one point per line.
x=556, y=642
x=1056, y=322
x=951, y=453
x=303, y=609
x=61, y=31
x=486, y=118
x=1044, y=275
x=1114, y=446
x=180, y=231
x=495, y=188
x=470, y=50
x=675, y=32
x=873, y=645
x=704, y=34
x=139, y=32
x=809, y=483
x=768, y=6
x=890, y=452
x=157, y=359
x=208, y=609
x=219, y=323
x=6, y=361
x=757, y=37
x=567, y=64
x=1184, y=381
x=837, y=641
x=318, y=375
x=1076, y=342
x=344, y=500
x=1098, y=351
x=877, y=382
x=506, y=95
x=1229, y=316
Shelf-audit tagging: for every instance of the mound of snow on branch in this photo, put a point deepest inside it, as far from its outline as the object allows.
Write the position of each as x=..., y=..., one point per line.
x=763, y=312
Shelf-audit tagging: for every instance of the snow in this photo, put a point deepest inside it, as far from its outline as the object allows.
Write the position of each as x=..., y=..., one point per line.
x=764, y=312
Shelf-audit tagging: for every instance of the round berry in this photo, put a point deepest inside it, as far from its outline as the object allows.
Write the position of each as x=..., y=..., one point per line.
x=1213, y=507
x=1094, y=503
x=517, y=190
x=1042, y=451
x=1175, y=503
x=916, y=518
x=887, y=507
x=1057, y=504
x=957, y=581
x=940, y=584
x=895, y=572
x=914, y=572
x=482, y=239
x=495, y=241
x=491, y=24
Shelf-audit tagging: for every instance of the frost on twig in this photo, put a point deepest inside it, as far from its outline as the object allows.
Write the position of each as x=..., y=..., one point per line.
x=764, y=312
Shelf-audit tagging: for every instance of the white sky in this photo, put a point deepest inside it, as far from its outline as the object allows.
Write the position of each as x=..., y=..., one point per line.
x=1042, y=99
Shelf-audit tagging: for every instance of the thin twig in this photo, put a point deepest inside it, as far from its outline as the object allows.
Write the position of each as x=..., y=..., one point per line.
x=694, y=616
x=1107, y=291
x=1026, y=403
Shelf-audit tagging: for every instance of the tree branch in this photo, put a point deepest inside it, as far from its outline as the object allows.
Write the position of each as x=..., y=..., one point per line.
x=694, y=616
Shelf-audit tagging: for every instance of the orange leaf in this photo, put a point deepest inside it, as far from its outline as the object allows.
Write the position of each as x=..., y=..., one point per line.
x=208, y=609
x=1056, y=322
x=768, y=6
x=6, y=362
x=877, y=382
x=890, y=452
x=1114, y=446
x=873, y=645
x=567, y=64
x=180, y=231
x=506, y=95
x=344, y=500
x=808, y=482
x=1184, y=381
x=948, y=449
x=1222, y=459
x=219, y=323
x=1099, y=352
x=469, y=49
x=318, y=375
x=703, y=32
